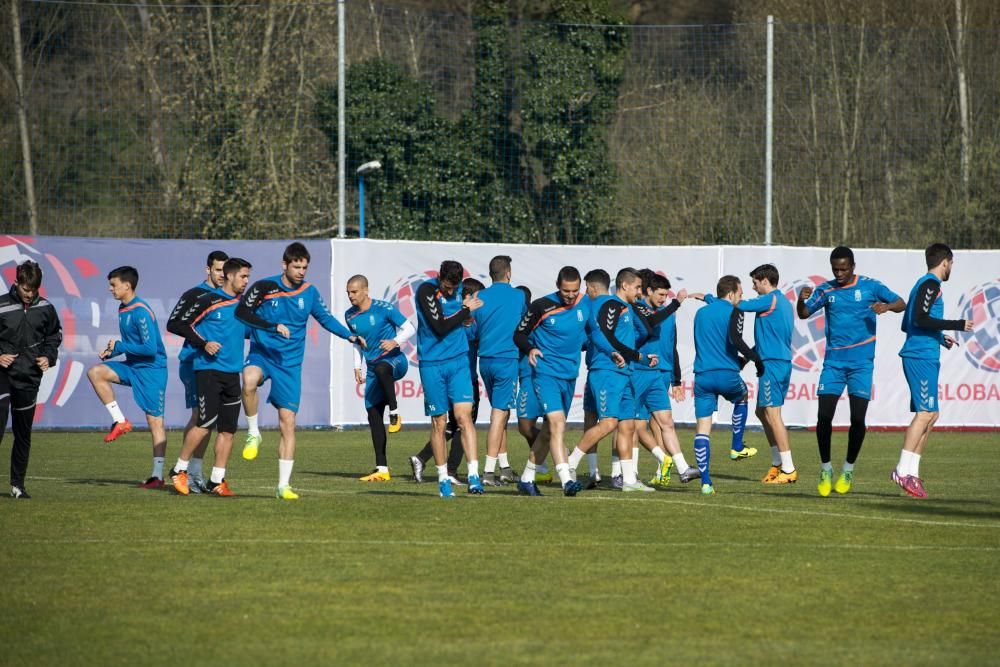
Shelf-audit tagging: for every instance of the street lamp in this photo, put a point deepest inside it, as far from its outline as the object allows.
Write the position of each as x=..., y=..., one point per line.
x=366, y=168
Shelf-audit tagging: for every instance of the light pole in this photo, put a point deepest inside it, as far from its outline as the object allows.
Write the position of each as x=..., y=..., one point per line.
x=366, y=168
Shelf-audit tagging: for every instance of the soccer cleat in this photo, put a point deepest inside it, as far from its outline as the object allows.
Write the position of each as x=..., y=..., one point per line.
x=118, y=429
x=914, y=486
x=691, y=473
x=376, y=476
x=19, y=493
x=476, y=485
x=784, y=477
x=744, y=453
x=418, y=469
x=197, y=484
x=251, y=446
x=151, y=483
x=395, y=423
x=637, y=487
x=455, y=481
x=528, y=489
x=180, y=480
x=707, y=490
x=490, y=479
x=508, y=476
x=593, y=481
x=285, y=493
x=844, y=482
x=772, y=474
x=662, y=476
x=572, y=488
x=543, y=477
x=220, y=489
x=825, y=482
x=444, y=489
x=617, y=482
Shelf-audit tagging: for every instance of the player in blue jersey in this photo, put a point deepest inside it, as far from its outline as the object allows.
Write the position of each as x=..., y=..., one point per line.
x=551, y=334
x=385, y=329
x=144, y=368
x=924, y=325
x=443, y=346
x=718, y=345
x=851, y=304
x=598, y=283
x=214, y=278
x=503, y=307
x=529, y=411
x=772, y=333
x=277, y=310
x=210, y=327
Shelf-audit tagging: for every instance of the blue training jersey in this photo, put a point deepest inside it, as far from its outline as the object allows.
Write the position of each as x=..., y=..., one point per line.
x=502, y=310
x=714, y=347
x=923, y=320
x=140, y=342
x=212, y=317
x=268, y=303
x=650, y=326
x=558, y=331
x=850, y=320
x=186, y=301
x=772, y=326
x=612, y=329
x=439, y=324
x=376, y=324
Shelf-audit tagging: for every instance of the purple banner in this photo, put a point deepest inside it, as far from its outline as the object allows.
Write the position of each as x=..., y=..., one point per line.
x=74, y=271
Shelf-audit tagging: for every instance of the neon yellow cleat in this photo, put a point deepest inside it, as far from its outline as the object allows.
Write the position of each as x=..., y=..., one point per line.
x=744, y=453
x=286, y=493
x=844, y=482
x=543, y=477
x=376, y=476
x=825, y=482
x=251, y=446
x=662, y=476
x=395, y=424
x=707, y=490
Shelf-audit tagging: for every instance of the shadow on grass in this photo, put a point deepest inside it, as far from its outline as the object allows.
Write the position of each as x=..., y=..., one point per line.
x=931, y=507
x=106, y=482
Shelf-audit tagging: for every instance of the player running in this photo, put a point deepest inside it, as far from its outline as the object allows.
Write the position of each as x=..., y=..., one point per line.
x=210, y=327
x=387, y=329
x=277, y=310
x=144, y=368
x=924, y=326
x=851, y=304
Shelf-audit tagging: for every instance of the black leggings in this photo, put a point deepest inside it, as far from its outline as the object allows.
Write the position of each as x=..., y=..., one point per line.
x=824, y=426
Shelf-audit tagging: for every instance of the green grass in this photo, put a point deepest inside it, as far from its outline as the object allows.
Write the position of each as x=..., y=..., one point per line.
x=98, y=572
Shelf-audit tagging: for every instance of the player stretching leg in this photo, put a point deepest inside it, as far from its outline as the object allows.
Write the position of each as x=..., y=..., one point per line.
x=921, y=355
x=144, y=368
x=385, y=328
x=277, y=310
x=851, y=304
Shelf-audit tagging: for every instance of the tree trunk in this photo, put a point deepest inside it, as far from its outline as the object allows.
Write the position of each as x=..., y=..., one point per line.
x=152, y=89
x=22, y=119
x=963, y=99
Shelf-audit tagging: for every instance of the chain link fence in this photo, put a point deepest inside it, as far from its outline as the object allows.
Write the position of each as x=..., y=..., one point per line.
x=195, y=120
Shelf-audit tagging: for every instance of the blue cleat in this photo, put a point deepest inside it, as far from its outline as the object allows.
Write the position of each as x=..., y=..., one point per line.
x=528, y=489
x=444, y=488
x=572, y=488
x=476, y=485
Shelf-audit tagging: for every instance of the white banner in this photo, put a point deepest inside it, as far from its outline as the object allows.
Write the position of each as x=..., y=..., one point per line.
x=970, y=377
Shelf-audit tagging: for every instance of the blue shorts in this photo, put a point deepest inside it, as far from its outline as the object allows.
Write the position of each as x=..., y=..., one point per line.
x=554, y=394
x=856, y=376
x=528, y=406
x=500, y=378
x=709, y=385
x=286, y=382
x=373, y=389
x=446, y=384
x=773, y=385
x=613, y=394
x=186, y=373
x=651, y=393
x=589, y=402
x=922, y=376
x=149, y=385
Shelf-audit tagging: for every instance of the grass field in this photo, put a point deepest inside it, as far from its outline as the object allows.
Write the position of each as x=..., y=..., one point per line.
x=98, y=572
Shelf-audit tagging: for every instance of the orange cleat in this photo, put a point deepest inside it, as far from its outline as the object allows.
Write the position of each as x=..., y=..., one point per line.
x=221, y=489
x=118, y=430
x=180, y=480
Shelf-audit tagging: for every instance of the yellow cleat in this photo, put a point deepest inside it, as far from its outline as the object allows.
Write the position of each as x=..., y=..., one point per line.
x=744, y=453
x=844, y=482
x=785, y=478
x=543, y=477
x=376, y=476
x=395, y=424
x=251, y=446
x=772, y=474
x=825, y=482
x=286, y=493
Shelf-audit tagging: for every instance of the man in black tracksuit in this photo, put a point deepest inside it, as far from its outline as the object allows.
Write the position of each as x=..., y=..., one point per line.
x=30, y=335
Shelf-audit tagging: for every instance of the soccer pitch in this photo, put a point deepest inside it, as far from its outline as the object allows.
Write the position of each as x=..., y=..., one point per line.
x=99, y=572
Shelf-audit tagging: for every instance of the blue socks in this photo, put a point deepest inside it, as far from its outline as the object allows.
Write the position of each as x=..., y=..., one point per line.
x=702, y=454
x=739, y=421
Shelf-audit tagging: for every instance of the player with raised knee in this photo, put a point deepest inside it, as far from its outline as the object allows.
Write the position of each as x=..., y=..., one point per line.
x=277, y=310
x=718, y=346
x=210, y=327
x=772, y=333
x=551, y=334
x=144, y=368
x=924, y=325
x=851, y=304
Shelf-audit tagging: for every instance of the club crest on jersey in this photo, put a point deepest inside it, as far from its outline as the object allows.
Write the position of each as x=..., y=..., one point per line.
x=579, y=315
x=302, y=303
x=857, y=295
x=371, y=320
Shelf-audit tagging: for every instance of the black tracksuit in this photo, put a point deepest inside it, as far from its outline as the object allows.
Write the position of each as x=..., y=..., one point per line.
x=29, y=331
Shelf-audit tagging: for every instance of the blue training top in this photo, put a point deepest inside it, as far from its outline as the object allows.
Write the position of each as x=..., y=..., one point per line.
x=850, y=320
x=141, y=342
x=923, y=320
x=376, y=324
x=772, y=327
x=439, y=324
x=502, y=310
x=558, y=331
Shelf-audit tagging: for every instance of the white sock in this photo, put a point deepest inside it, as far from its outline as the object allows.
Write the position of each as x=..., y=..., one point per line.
x=442, y=472
x=659, y=455
x=635, y=458
x=616, y=466
x=914, y=464
x=775, y=456
x=218, y=475
x=592, y=462
x=628, y=472
x=562, y=469
x=473, y=468
x=158, y=467
x=574, y=458
x=116, y=412
x=252, y=428
x=826, y=466
x=504, y=461
x=786, y=461
x=382, y=468
x=285, y=471
x=848, y=467
x=181, y=465
x=903, y=467
x=680, y=462
x=528, y=476
x=491, y=464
